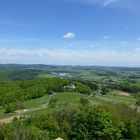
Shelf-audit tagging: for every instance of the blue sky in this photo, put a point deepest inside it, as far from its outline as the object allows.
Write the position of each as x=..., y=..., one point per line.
x=70, y=32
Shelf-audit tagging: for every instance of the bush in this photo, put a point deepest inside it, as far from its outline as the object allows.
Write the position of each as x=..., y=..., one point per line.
x=138, y=102
x=52, y=102
x=9, y=108
x=84, y=101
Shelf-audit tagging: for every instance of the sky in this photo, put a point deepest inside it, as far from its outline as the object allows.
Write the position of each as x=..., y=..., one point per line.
x=70, y=32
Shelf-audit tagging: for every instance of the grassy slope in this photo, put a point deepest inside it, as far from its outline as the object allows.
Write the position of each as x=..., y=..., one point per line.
x=71, y=100
x=63, y=99
x=27, y=104
x=116, y=99
x=36, y=102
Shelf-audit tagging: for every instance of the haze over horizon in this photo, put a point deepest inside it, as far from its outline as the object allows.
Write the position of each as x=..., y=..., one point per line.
x=70, y=32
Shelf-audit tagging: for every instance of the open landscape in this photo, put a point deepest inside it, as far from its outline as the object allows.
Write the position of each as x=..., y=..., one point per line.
x=69, y=69
x=25, y=99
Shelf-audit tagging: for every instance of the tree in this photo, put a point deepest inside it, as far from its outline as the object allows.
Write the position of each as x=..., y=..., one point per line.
x=138, y=102
x=93, y=123
x=52, y=102
x=84, y=101
x=9, y=108
x=1, y=135
x=130, y=131
x=83, y=88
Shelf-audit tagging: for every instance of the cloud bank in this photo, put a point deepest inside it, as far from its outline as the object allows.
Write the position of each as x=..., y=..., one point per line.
x=69, y=56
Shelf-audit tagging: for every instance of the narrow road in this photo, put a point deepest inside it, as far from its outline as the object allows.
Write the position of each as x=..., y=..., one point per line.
x=20, y=113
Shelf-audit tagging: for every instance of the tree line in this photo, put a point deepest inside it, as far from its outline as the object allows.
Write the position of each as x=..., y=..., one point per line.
x=13, y=93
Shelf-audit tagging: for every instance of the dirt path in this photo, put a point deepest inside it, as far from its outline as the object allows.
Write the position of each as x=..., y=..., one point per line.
x=20, y=113
x=9, y=119
x=122, y=93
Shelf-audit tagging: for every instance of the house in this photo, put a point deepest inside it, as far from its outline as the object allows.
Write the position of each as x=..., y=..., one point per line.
x=59, y=138
x=99, y=91
x=71, y=86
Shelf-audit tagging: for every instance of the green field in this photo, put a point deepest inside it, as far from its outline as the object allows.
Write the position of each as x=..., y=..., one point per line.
x=72, y=99
x=116, y=99
x=36, y=102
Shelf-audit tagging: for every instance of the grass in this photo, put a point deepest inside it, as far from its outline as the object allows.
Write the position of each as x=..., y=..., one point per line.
x=89, y=76
x=35, y=102
x=70, y=99
x=114, y=98
x=3, y=114
x=42, y=112
x=27, y=104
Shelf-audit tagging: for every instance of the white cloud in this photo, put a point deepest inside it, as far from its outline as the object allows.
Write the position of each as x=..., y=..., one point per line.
x=102, y=52
x=107, y=37
x=69, y=35
x=138, y=39
x=98, y=2
x=107, y=2
x=132, y=5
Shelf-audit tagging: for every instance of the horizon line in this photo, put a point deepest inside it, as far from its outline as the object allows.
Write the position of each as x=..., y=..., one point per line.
x=117, y=66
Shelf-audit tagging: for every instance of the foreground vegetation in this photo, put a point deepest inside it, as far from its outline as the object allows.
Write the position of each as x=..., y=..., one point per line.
x=75, y=103
x=84, y=122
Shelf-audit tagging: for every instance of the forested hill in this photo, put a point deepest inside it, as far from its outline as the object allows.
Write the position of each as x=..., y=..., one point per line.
x=27, y=72
x=64, y=67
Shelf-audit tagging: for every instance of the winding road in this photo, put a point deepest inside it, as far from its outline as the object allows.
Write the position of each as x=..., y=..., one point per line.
x=20, y=113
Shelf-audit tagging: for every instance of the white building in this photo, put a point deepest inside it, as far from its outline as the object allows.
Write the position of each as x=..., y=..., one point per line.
x=71, y=85
x=59, y=138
